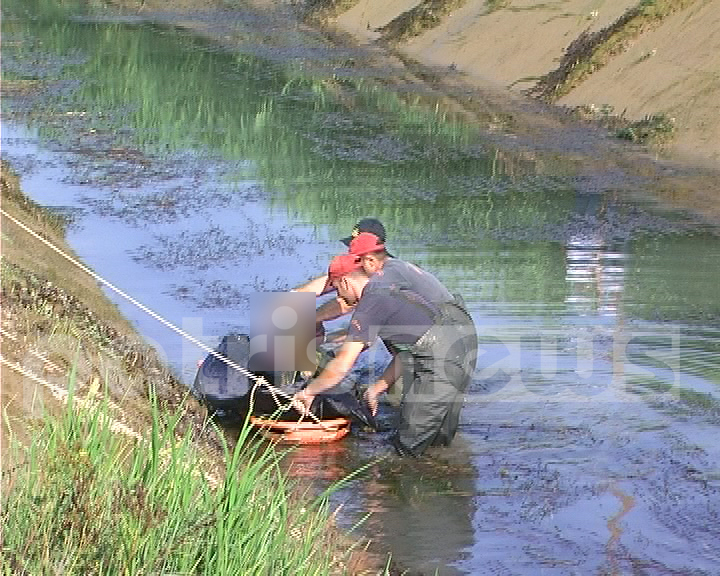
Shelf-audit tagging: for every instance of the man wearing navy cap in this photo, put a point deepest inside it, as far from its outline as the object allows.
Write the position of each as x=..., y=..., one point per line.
x=371, y=225
x=319, y=285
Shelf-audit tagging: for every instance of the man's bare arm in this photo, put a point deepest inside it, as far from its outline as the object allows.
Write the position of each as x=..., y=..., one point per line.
x=335, y=371
x=332, y=309
x=315, y=285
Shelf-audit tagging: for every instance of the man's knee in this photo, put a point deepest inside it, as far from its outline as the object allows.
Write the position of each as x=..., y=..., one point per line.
x=428, y=419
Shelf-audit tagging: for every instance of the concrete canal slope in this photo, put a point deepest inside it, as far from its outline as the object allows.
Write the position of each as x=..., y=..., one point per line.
x=668, y=64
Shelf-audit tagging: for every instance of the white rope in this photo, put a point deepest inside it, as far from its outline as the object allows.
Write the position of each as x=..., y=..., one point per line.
x=49, y=364
x=244, y=371
x=61, y=394
x=35, y=352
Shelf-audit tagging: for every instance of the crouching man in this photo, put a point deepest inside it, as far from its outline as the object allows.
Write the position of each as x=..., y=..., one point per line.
x=430, y=335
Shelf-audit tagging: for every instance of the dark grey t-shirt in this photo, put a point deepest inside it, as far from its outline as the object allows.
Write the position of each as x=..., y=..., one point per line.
x=397, y=305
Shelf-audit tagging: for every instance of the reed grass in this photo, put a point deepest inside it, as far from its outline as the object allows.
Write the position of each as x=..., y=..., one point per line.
x=84, y=500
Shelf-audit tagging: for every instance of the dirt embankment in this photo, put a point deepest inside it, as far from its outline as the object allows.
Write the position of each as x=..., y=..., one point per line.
x=629, y=58
x=626, y=59
x=56, y=321
x=645, y=70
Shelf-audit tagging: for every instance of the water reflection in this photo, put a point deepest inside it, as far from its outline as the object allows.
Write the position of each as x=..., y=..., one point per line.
x=326, y=463
x=595, y=270
x=423, y=507
x=595, y=276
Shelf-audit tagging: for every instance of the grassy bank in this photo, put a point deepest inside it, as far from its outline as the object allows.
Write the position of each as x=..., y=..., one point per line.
x=109, y=466
x=104, y=503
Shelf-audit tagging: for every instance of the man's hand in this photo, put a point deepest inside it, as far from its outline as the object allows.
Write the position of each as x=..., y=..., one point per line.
x=345, y=308
x=389, y=377
x=371, y=398
x=302, y=401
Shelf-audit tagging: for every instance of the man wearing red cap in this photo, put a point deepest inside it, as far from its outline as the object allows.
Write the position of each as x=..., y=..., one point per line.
x=337, y=307
x=430, y=335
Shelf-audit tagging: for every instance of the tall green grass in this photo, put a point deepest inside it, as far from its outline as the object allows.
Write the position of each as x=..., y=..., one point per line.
x=84, y=500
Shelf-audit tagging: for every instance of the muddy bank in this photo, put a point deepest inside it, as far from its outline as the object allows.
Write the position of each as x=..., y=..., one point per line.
x=56, y=319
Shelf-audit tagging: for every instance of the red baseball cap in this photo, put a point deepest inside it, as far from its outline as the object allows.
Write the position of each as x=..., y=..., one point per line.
x=341, y=265
x=365, y=243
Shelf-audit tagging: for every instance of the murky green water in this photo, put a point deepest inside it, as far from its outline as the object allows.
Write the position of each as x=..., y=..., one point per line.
x=197, y=175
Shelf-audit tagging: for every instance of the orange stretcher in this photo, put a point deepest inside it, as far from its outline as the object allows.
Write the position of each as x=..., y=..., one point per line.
x=302, y=432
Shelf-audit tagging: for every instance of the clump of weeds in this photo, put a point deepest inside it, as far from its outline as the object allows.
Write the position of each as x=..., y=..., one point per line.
x=590, y=51
x=655, y=129
x=319, y=10
x=424, y=16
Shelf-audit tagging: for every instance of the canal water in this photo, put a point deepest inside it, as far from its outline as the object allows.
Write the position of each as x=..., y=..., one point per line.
x=198, y=172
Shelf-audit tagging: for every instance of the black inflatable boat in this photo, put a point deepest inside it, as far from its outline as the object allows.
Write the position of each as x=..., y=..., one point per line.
x=229, y=394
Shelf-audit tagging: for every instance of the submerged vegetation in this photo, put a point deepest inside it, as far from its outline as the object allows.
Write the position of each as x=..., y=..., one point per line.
x=592, y=50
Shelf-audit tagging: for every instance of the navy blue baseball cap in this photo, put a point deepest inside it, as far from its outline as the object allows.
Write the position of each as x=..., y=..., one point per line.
x=372, y=225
